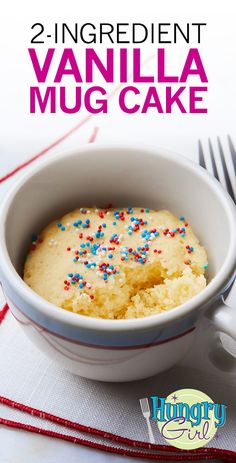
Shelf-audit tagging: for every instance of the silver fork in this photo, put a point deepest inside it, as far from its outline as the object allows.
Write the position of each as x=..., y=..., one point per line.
x=229, y=182
x=144, y=404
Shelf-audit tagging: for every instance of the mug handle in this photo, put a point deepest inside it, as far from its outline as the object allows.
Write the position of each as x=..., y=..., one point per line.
x=208, y=353
x=222, y=318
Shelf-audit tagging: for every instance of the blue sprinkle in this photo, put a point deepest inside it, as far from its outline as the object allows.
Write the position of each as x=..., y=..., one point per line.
x=77, y=275
x=63, y=228
x=130, y=233
x=147, y=209
x=74, y=260
x=110, y=256
x=157, y=233
x=104, y=225
x=182, y=218
x=81, y=285
x=82, y=245
x=73, y=282
x=87, y=221
x=114, y=223
x=183, y=235
x=70, y=274
x=59, y=224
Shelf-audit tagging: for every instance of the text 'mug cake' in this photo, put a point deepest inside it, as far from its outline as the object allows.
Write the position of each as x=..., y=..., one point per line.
x=117, y=263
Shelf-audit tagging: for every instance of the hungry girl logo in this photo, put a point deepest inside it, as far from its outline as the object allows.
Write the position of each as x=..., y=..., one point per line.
x=187, y=419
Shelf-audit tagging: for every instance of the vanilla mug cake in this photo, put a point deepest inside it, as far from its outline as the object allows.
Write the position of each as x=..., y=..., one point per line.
x=137, y=308
x=117, y=263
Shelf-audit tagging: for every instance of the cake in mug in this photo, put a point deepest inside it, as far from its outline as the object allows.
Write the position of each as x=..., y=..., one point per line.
x=117, y=263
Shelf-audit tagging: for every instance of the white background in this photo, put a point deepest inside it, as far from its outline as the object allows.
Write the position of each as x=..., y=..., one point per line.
x=24, y=134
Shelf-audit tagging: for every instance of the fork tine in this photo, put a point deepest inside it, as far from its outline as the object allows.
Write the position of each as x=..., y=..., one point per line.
x=232, y=152
x=225, y=170
x=214, y=166
x=201, y=155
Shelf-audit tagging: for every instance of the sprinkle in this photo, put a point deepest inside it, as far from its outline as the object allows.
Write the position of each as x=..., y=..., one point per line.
x=205, y=266
x=182, y=218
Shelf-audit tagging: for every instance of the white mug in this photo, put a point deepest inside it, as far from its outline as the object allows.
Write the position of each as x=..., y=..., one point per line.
x=119, y=350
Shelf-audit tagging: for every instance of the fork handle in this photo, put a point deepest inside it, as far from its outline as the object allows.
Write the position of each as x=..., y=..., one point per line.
x=150, y=433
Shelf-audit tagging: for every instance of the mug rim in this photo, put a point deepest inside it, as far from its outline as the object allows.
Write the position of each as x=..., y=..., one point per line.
x=39, y=304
